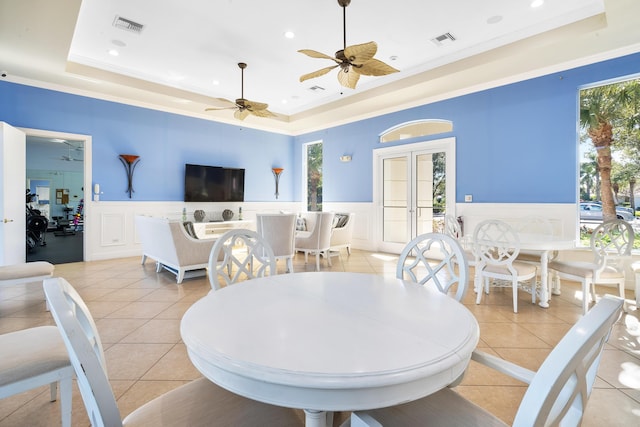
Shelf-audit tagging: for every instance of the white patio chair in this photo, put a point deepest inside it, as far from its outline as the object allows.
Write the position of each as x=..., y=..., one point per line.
x=279, y=230
x=438, y=259
x=557, y=394
x=198, y=403
x=240, y=254
x=611, y=244
x=497, y=246
x=33, y=357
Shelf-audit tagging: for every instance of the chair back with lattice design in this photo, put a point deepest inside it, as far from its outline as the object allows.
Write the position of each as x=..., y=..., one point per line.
x=495, y=243
x=611, y=243
x=436, y=259
x=240, y=254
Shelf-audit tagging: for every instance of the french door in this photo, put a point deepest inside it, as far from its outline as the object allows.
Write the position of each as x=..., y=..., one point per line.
x=415, y=189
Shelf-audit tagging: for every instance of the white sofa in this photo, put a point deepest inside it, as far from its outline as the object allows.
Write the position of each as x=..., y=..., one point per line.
x=168, y=243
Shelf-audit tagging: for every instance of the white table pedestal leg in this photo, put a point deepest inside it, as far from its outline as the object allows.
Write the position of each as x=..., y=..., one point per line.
x=544, y=282
x=314, y=418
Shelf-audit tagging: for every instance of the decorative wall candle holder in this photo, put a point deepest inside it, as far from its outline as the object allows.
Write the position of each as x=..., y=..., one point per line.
x=130, y=162
x=276, y=173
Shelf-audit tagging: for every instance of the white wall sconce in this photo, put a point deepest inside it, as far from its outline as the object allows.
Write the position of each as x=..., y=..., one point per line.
x=346, y=158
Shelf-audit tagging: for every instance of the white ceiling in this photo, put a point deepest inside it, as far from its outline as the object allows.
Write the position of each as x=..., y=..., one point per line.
x=185, y=46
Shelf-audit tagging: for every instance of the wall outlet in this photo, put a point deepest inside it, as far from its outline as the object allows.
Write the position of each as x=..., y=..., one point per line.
x=468, y=198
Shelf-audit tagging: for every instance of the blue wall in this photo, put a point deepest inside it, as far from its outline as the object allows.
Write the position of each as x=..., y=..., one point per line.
x=164, y=141
x=515, y=143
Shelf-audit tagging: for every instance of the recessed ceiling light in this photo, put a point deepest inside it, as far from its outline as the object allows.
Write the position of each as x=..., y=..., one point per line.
x=114, y=52
x=216, y=82
x=284, y=101
x=289, y=34
x=494, y=19
x=537, y=3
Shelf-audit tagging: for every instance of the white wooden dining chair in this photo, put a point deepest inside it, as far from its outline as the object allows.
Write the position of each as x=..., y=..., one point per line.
x=611, y=244
x=556, y=396
x=239, y=254
x=496, y=244
x=279, y=230
x=534, y=225
x=452, y=228
x=197, y=403
x=437, y=259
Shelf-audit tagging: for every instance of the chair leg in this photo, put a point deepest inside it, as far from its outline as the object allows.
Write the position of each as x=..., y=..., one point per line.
x=65, y=401
x=349, y=250
x=289, y=263
x=328, y=255
x=514, y=285
x=534, y=287
x=586, y=296
x=317, y=261
x=479, y=290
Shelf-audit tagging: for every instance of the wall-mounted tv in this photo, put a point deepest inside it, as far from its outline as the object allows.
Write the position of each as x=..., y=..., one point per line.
x=213, y=184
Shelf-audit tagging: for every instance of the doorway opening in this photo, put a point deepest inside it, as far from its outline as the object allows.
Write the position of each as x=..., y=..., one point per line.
x=57, y=174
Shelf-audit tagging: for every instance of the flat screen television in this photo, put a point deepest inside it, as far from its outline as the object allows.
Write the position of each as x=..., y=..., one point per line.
x=213, y=184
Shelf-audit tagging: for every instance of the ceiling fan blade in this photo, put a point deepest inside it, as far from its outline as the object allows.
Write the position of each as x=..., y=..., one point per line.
x=318, y=73
x=374, y=67
x=360, y=53
x=262, y=113
x=220, y=108
x=316, y=54
x=223, y=104
x=255, y=106
x=241, y=114
x=349, y=78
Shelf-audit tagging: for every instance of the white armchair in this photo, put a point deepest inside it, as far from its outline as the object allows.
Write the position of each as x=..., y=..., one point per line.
x=342, y=232
x=316, y=239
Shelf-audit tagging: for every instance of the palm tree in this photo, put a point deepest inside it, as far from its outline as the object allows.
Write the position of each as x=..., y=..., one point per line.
x=314, y=176
x=602, y=108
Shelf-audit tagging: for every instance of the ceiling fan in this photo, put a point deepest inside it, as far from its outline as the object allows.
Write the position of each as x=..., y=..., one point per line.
x=353, y=60
x=244, y=106
x=69, y=157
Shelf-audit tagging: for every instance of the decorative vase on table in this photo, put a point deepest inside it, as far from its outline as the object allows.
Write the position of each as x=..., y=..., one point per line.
x=227, y=214
x=199, y=215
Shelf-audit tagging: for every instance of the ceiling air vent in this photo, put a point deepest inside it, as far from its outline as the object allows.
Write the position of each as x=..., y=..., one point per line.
x=443, y=39
x=127, y=24
x=316, y=88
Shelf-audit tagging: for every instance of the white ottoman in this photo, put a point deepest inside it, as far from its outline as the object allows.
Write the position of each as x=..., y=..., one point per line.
x=25, y=273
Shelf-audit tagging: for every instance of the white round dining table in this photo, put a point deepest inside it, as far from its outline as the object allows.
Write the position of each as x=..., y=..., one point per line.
x=330, y=341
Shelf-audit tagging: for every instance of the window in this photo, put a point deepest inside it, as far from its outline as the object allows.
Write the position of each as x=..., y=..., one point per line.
x=313, y=177
x=609, y=153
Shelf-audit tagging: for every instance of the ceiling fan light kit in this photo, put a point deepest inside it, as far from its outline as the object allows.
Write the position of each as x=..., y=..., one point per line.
x=353, y=61
x=243, y=106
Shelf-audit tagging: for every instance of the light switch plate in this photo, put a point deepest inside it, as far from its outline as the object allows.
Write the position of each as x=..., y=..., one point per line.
x=468, y=198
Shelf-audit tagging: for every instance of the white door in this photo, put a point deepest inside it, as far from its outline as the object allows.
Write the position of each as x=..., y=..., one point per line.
x=12, y=195
x=414, y=184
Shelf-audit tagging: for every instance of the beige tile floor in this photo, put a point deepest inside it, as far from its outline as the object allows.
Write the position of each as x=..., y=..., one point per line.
x=138, y=313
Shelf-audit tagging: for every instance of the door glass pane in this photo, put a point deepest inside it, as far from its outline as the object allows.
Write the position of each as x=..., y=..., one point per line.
x=395, y=199
x=424, y=193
